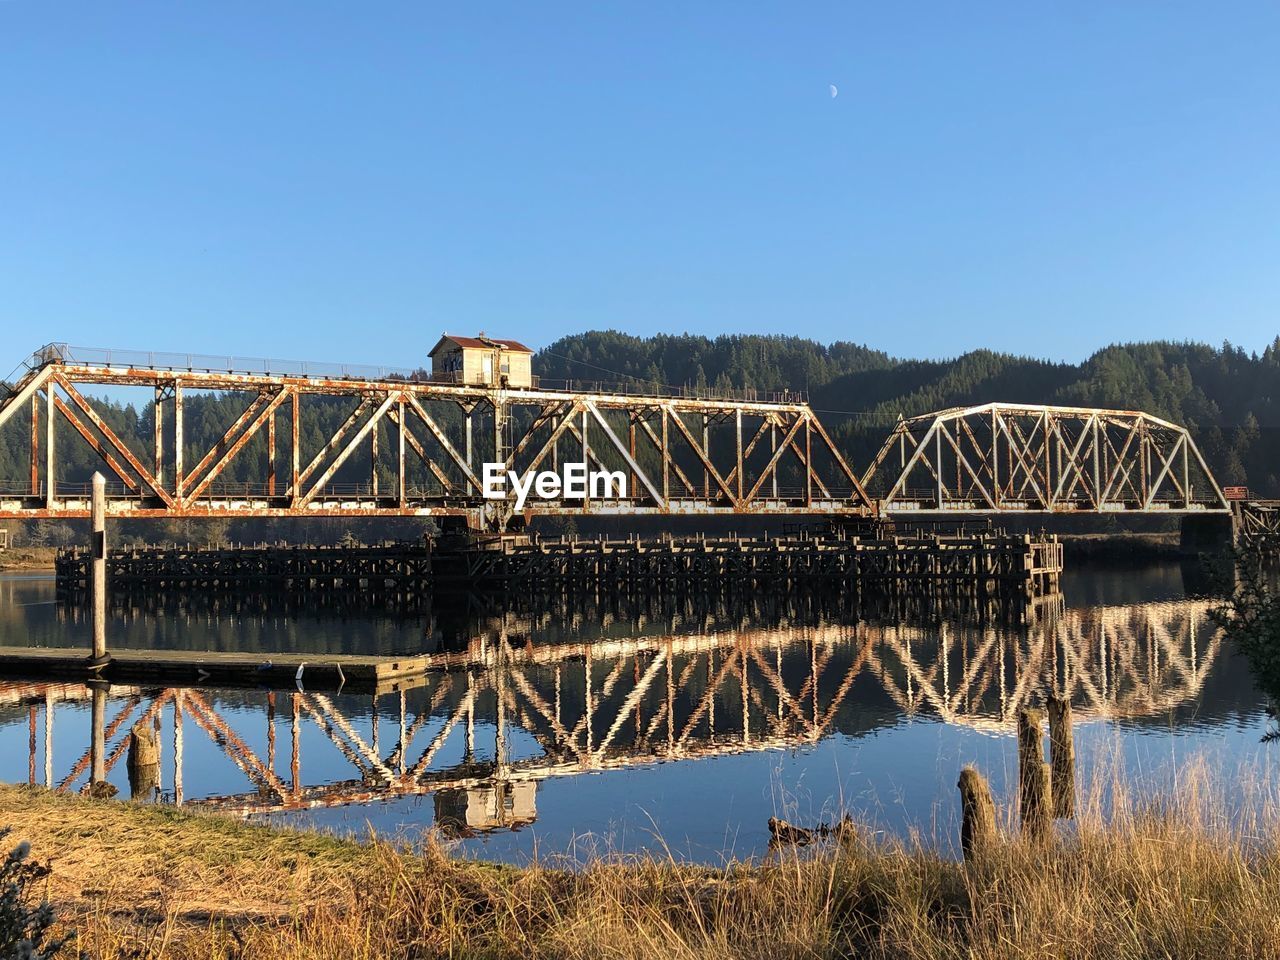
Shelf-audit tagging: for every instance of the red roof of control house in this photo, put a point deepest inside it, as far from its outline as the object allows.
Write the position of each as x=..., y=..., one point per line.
x=481, y=342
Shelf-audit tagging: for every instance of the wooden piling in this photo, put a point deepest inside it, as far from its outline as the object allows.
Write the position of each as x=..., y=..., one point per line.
x=1034, y=783
x=1062, y=752
x=98, y=514
x=1037, y=817
x=144, y=760
x=923, y=567
x=978, y=826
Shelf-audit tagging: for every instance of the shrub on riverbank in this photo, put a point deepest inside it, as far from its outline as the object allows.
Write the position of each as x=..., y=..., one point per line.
x=25, y=921
x=148, y=882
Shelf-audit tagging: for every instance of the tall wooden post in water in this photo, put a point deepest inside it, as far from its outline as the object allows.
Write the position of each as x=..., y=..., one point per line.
x=1034, y=790
x=1062, y=753
x=978, y=823
x=98, y=513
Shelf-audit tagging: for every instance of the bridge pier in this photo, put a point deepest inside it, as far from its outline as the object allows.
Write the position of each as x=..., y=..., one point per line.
x=1207, y=533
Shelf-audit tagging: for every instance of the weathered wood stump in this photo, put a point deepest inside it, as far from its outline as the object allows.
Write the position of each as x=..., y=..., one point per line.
x=144, y=761
x=978, y=826
x=99, y=790
x=784, y=832
x=1034, y=783
x=1062, y=753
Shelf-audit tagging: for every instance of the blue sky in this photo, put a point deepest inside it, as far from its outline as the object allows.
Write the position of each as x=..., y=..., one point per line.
x=344, y=181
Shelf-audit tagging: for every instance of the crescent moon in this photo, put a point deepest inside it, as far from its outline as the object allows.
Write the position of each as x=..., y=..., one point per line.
x=835, y=91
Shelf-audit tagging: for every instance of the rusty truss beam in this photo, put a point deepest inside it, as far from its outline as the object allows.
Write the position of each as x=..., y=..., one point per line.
x=1007, y=458
x=411, y=447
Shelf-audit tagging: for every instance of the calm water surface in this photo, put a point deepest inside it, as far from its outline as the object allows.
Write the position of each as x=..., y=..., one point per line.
x=637, y=727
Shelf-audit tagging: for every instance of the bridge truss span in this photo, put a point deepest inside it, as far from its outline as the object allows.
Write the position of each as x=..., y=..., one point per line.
x=1022, y=458
x=215, y=443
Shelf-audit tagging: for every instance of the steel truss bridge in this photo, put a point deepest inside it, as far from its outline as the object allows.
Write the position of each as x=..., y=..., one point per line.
x=1009, y=458
x=614, y=704
x=417, y=446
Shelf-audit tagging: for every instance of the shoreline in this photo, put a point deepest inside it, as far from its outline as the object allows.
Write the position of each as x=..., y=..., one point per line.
x=27, y=559
x=154, y=881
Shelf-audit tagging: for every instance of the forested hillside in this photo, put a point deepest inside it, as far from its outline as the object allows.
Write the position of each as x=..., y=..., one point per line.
x=1229, y=398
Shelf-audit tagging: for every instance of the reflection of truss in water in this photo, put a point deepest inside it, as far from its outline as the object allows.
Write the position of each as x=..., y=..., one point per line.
x=625, y=702
x=1121, y=661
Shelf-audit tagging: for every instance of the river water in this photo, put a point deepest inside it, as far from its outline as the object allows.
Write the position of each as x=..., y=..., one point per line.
x=678, y=726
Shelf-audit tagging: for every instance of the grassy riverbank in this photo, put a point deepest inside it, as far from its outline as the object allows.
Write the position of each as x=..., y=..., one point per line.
x=27, y=558
x=138, y=881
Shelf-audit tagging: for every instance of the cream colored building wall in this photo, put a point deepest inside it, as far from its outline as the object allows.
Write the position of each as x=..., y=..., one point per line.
x=521, y=374
x=473, y=366
x=521, y=367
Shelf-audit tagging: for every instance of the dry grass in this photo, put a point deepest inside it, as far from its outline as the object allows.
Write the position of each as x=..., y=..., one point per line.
x=146, y=882
x=28, y=558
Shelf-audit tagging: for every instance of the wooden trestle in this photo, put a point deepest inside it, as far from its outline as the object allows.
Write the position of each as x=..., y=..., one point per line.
x=986, y=563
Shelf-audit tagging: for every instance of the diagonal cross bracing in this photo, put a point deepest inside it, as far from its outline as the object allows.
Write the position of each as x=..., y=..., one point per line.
x=993, y=458
x=1055, y=459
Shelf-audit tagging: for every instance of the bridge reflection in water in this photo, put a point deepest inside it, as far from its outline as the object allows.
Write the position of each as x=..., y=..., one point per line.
x=516, y=701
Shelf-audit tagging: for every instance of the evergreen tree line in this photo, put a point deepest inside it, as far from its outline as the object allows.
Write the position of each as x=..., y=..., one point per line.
x=1227, y=397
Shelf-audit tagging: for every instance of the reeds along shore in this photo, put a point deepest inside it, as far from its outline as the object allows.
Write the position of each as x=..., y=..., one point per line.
x=1189, y=879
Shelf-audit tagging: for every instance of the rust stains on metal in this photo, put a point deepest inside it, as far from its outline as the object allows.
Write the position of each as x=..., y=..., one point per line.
x=524, y=428
x=995, y=458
